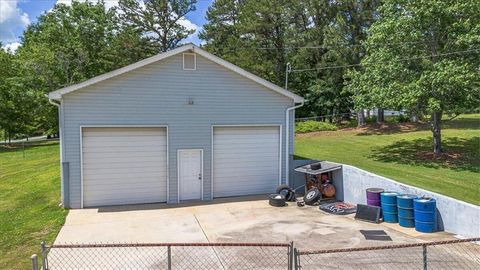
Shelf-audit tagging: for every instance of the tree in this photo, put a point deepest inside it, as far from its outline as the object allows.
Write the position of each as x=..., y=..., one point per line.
x=422, y=55
x=68, y=45
x=221, y=32
x=263, y=37
x=17, y=107
x=159, y=21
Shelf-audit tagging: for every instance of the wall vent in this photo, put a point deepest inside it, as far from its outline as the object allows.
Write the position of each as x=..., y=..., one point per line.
x=189, y=61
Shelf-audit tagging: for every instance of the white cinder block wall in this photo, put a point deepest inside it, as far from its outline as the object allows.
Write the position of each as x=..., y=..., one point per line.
x=453, y=216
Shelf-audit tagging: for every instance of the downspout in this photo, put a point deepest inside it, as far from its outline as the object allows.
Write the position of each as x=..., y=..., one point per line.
x=65, y=202
x=287, y=141
x=53, y=102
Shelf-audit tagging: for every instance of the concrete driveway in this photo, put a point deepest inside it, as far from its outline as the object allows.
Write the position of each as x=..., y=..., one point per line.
x=246, y=219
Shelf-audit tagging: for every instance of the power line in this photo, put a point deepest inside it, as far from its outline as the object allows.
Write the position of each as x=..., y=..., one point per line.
x=398, y=60
x=340, y=46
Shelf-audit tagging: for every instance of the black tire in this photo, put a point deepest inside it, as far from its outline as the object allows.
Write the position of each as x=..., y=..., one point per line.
x=312, y=196
x=276, y=200
x=286, y=191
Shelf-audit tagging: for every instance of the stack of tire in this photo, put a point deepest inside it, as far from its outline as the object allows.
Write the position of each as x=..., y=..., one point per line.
x=283, y=194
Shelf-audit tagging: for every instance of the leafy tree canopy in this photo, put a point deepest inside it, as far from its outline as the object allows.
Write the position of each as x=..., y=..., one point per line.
x=158, y=21
x=422, y=56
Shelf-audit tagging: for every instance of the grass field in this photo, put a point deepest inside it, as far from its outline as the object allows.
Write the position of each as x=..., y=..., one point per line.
x=402, y=152
x=29, y=199
x=30, y=179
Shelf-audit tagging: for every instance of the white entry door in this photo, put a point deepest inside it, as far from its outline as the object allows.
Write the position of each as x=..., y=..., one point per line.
x=190, y=173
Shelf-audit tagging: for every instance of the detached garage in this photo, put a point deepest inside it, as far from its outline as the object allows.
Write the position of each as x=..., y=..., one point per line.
x=179, y=126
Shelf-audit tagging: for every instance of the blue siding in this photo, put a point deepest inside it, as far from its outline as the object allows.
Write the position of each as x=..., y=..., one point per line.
x=158, y=94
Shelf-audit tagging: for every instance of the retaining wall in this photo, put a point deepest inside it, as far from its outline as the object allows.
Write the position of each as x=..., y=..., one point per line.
x=453, y=216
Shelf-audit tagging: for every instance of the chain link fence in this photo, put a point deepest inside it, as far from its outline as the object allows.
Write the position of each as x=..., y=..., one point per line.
x=168, y=256
x=453, y=254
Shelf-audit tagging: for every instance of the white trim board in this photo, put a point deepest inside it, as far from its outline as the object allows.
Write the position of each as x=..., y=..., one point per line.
x=57, y=95
x=178, y=171
x=120, y=126
x=280, y=147
x=194, y=61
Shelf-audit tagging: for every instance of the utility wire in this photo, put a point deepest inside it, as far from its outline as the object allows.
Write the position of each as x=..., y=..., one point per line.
x=398, y=60
x=341, y=46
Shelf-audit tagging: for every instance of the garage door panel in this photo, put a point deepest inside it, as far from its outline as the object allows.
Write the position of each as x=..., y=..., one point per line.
x=125, y=161
x=125, y=131
x=125, y=144
x=252, y=166
x=245, y=149
x=137, y=174
x=122, y=199
x=124, y=189
x=124, y=165
x=102, y=184
x=132, y=155
x=122, y=171
x=126, y=138
x=246, y=160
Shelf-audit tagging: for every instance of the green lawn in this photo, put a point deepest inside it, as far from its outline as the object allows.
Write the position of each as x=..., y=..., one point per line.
x=402, y=154
x=29, y=199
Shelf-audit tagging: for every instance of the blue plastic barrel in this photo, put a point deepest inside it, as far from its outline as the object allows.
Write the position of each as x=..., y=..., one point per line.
x=425, y=214
x=406, y=216
x=388, y=201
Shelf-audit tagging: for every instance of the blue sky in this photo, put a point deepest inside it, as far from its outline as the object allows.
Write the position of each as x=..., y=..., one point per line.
x=16, y=15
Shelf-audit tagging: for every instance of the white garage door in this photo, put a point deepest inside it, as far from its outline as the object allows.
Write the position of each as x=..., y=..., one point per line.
x=124, y=165
x=245, y=160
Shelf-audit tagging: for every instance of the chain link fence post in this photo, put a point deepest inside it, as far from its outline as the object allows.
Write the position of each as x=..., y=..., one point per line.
x=169, y=257
x=34, y=259
x=290, y=256
x=296, y=259
x=425, y=259
x=44, y=256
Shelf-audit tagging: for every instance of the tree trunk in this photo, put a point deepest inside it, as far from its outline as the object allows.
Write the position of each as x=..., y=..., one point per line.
x=414, y=114
x=414, y=117
x=436, y=130
x=380, y=116
x=368, y=113
x=360, y=118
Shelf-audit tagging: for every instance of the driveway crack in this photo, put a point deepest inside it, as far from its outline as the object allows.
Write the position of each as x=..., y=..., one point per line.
x=213, y=248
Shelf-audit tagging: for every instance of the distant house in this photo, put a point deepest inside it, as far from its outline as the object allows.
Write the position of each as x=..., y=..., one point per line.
x=181, y=125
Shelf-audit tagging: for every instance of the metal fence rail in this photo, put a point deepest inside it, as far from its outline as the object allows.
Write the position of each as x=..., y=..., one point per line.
x=169, y=256
x=453, y=254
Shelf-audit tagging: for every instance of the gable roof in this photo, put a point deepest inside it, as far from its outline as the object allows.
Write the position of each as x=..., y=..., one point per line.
x=56, y=95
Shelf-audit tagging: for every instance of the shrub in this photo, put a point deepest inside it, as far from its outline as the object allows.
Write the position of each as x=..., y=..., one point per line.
x=311, y=126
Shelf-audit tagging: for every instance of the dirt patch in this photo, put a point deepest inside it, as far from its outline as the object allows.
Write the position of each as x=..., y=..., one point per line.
x=321, y=133
x=369, y=129
x=448, y=158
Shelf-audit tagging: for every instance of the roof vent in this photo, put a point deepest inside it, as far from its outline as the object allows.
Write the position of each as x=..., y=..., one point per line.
x=189, y=61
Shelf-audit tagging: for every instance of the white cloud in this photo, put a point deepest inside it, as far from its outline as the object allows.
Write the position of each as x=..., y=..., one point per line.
x=12, y=47
x=12, y=20
x=193, y=38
